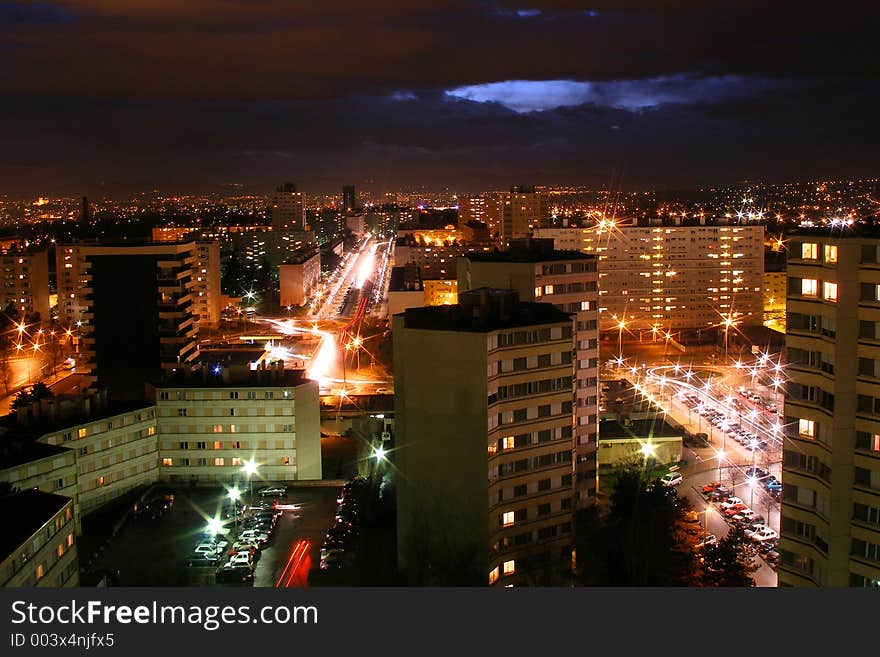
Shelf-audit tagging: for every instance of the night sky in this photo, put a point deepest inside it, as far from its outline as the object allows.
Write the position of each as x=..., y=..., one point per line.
x=115, y=96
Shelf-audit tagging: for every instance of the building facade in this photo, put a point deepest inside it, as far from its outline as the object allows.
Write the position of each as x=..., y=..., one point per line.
x=211, y=423
x=484, y=208
x=38, y=542
x=300, y=277
x=492, y=498
x=830, y=519
x=673, y=276
x=524, y=209
x=568, y=280
x=287, y=208
x=25, y=288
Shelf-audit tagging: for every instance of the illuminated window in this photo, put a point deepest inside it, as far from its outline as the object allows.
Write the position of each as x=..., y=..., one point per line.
x=285, y=460
x=151, y=431
x=830, y=253
x=809, y=287
x=39, y=571
x=585, y=305
x=548, y=289
x=81, y=433
x=538, y=292
x=508, y=443
x=218, y=428
x=218, y=445
x=220, y=461
x=236, y=460
x=167, y=461
x=100, y=481
x=509, y=567
x=830, y=291
x=69, y=540
x=807, y=428
x=507, y=518
x=809, y=251
x=493, y=575
x=59, y=551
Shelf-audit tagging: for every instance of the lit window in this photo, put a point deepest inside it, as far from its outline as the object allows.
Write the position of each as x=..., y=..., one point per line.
x=509, y=567
x=809, y=287
x=508, y=442
x=151, y=431
x=538, y=292
x=81, y=433
x=807, y=428
x=830, y=291
x=59, y=551
x=585, y=305
x=809, y=251
x=285, y=460
x=39, y=571
x=236, y=460
x=218, y=445
x=167, y=461
x=493, y=575
x=548, y=289
x=219, y=461
x=100, y=481
x=218, y=428
x=830, y=253
x=507, y=518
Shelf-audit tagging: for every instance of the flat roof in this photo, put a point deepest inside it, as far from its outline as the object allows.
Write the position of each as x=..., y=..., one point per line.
x=14, y=451
x=237, y=377
x=857, y=230
x=654, y=427
x=24, y=514
x=466, y=318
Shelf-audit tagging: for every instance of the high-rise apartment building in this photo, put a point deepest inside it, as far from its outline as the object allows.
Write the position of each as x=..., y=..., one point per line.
x=287, y=208
x=830, y=520
x=25, y=282
x=300, y=277
x=484, y=208
x=568, y=280
x=524, y=209
x=484, y=397
x=70, y=267
x=349, y=199
x=138, y=318
x=673, y=275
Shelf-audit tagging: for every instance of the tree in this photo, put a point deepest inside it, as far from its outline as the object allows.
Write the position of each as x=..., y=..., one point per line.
x=730, y=562
x=37, y=392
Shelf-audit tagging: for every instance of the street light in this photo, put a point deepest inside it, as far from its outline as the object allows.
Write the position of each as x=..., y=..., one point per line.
x=647, y=451
x=234, y=494
x=215, y=526
x=250, y=469
x=621, y=324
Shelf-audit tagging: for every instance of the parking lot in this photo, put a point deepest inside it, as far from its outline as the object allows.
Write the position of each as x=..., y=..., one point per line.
x=153, y=552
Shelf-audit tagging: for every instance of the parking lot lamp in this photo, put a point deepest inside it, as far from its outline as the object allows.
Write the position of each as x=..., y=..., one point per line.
x=215, y=526
x=250, y=469
x=234, y=494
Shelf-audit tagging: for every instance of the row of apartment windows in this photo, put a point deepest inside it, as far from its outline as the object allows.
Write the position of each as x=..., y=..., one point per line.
x=796, y=461
x=809, y=287
x=507, y=568
x=525, y=465
x=219, y=461
x=182, y=395
x=540, y=361
x=810, y=251
x=531, y=388
x=508, y=518
x=521, y=490
x=528, y=439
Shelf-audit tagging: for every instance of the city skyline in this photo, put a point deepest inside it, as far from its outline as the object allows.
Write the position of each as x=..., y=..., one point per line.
x=465, y=94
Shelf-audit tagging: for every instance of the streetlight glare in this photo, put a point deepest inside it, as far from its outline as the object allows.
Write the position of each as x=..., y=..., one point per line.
x=379, y=453
x=250, y=467
x=214, y=526
x=234, y=493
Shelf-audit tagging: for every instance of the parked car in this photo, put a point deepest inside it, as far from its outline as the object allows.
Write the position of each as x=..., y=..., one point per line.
x=241, y=559
x=273, y=491
x=731, y=501
x=234, y=573
x=745, y=516
x=202, y=560
x=708, y=488
x=765, y=534
x=733, y=510
x=671, y=479
x=208, y=548
x=756, y=472
x=710, y=539
x=254, y=535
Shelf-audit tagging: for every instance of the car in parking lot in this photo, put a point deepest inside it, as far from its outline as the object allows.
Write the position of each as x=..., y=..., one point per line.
x=202, y=560
x=272, y=491
x=765, y=534
x=734, y=510
x=208, y=548
x=745, y=516
x=756, y=472
x=241, y=559
x=671, y=479
x=731, y=501
x=708, y=488
x=720, y=494
x=709, y=540
x=253, y=535
x=234, y=573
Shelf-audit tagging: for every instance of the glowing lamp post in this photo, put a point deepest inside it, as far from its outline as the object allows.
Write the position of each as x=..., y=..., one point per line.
x=250, y=469
x=234, y=494
x=215, y=526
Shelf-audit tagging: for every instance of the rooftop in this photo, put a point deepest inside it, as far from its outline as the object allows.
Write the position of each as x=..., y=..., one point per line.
x=405, y=279
x=15, y=452
x=235, y=376
x=483, y=310
x=655, y=427
x=857, y=230
x=529, y=250
x=24, y=514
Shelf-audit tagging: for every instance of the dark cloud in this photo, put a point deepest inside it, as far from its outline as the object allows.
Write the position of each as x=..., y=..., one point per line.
x=202, y=92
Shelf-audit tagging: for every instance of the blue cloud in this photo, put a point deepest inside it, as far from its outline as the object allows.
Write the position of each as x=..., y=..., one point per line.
x=18, y=13
x=523, y=96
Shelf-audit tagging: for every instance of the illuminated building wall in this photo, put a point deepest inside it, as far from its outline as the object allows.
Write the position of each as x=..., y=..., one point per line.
x=774, y=300
x=523, y=210
x=210, y=425
x=39, y=537
x=495, y=494
x=440, y=292
x=673, y=276
x=830, y=518
x=569, y=281
x=287, y=208
x=299, y=278
x=485, y=208
x=25, y=282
